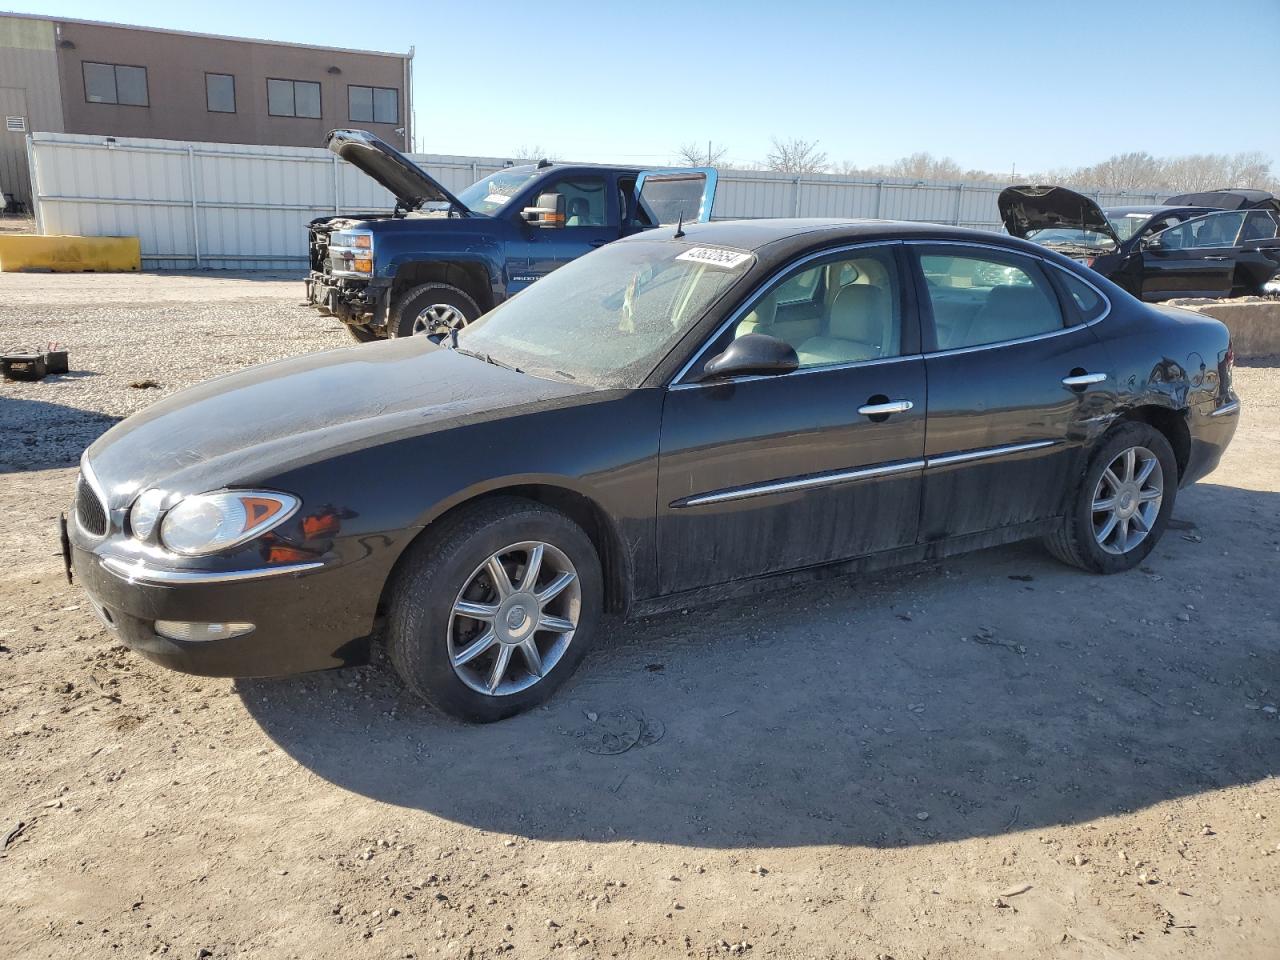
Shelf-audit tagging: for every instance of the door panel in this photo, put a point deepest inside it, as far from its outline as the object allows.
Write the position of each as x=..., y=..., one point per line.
x=720, y=443
x=1004, y=431
x=1193, y=258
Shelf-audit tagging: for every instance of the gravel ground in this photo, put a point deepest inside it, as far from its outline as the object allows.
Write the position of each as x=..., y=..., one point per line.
x=991, y=756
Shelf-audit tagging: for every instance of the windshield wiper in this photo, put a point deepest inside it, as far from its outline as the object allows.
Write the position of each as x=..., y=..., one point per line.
x=487, y=358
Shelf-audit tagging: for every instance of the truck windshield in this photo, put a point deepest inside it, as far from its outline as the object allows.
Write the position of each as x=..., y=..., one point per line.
x=490, y=194
x=608, y=318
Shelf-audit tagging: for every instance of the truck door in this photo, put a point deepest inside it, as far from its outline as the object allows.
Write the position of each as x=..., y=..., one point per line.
x=669, y=196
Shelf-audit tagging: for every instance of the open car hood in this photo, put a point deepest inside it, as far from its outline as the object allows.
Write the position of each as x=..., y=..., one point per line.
x=407, y=181
x=1026, y=208
x=1228, y=200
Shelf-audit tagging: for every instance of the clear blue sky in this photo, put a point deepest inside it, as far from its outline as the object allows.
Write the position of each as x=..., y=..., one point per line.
x=988, y=82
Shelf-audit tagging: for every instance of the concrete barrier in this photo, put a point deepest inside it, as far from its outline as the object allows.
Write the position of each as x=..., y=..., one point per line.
x=1254, y=323
x=22, y=251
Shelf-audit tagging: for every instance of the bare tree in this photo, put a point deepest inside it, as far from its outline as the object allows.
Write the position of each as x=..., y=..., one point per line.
x=796, y=156
x=524, y=154
x=696, y=154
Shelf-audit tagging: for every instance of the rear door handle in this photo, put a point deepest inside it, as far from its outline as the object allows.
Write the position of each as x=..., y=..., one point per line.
x=1083, y=379
x=883, y=409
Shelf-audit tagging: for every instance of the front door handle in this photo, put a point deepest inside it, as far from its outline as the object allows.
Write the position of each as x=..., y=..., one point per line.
x=886, y=408
x=1083, y=379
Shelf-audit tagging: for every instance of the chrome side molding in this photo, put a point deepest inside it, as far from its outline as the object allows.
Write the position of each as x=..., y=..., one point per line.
x=139, y=572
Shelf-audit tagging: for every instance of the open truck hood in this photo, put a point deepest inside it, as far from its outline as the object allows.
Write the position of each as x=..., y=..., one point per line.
x=1026, y=208
x=407, y=181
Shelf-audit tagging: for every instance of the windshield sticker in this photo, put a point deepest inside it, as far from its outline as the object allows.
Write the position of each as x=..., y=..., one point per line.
x=497, y=198
x=714, y=257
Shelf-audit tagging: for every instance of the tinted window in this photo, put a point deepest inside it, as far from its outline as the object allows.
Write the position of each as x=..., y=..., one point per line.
x=845, y=309
x=1258, y=225
x=220, y=92
x=1215, y=230
x=584, y=201
x=1089, y=303
x=293, y=98
x=110, y=83
x=374, y=104
x=988, y=298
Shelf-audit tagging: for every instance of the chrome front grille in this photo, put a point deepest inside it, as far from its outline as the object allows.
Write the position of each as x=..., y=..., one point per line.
x=91, y=512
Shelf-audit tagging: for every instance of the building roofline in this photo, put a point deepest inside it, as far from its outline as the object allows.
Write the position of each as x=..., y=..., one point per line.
x=204, y=36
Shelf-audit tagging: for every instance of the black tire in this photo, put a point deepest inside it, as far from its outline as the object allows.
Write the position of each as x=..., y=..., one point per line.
x=1074, y=542
x=361, y=333
x=410, y=304
x=442, y=563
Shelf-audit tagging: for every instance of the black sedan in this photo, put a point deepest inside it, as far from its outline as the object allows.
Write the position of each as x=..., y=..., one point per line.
x=1156, y=252
x=675, y=417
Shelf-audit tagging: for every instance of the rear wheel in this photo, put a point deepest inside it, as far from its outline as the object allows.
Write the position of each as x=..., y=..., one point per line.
x=1122, y=504
x=496, y=609
x=432, y=309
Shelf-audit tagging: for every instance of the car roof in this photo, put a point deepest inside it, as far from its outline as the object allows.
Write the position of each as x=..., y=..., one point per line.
x=1154, y=209
x=555, y=167
x=779, y=238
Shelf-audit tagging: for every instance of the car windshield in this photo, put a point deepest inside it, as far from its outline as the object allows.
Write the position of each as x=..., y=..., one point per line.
x=490, y=194
x=1128, y=224
x=608, y=318
x=1071, y=237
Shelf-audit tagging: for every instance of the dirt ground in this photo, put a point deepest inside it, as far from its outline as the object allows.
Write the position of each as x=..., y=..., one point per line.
x=991, y=756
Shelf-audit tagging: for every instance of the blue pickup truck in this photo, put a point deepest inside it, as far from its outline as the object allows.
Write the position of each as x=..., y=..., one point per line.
x=438, y=261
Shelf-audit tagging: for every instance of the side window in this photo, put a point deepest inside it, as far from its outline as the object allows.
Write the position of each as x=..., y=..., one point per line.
x=1089, y=303
x=981, y=298
x=845, y=309
x=1215, y=230
x=584, y=202
x=1258, y=225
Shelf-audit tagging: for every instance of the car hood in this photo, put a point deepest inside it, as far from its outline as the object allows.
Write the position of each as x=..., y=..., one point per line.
x=1027, y=208
x=407, y=181
x=242, y=428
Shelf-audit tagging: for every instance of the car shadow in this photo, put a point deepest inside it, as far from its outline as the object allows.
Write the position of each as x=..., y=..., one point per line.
x=39, y=435
x=966, y=698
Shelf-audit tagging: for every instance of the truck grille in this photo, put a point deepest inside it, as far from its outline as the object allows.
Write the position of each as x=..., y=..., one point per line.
x=91, y=513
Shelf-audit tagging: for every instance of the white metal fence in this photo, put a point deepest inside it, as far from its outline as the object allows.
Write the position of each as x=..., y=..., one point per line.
x=243, y=207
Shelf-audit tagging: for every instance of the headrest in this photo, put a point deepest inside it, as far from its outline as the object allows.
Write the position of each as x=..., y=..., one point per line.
x=859, y=313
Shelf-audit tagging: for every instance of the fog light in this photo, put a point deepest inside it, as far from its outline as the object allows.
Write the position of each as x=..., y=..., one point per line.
x=195, y=632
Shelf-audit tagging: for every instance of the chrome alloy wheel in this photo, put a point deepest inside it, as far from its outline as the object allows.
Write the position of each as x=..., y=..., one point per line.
x=439, y=318
x=514, y=618
x=1127, y=500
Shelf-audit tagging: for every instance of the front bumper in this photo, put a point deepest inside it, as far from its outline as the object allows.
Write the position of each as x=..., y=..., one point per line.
x=356, y=302
x=303, y=619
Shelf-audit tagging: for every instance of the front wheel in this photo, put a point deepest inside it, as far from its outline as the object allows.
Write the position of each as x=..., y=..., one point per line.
x=1122, y=504
x=495, y=609
x=432, y=309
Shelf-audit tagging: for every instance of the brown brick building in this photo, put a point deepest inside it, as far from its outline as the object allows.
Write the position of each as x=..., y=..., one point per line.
x=79, y=76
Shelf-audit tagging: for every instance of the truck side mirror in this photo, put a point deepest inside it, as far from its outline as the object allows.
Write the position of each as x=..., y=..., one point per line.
x=548, y=212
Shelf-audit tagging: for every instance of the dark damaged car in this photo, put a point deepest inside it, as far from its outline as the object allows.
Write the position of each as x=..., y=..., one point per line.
x=437, y=261
x=1155, y=252
x=679, y=416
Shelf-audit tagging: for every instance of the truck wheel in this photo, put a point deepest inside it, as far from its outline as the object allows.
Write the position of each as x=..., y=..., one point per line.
x=431, y=309
x=490, y=613
x=1121, y=506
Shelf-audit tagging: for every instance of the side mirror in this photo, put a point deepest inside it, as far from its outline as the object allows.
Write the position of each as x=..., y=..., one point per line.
x=755, y=354
x=548, y=213
x=1153, y=243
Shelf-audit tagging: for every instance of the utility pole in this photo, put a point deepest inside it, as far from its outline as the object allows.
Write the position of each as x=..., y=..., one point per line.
x=708, y=153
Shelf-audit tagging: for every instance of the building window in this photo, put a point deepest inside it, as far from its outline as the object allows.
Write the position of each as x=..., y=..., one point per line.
x=293, y=98
x=113, y=83
x=374, y=104
x=220, y=92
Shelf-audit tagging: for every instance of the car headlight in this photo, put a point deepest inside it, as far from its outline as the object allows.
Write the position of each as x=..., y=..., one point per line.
x=145, y=512
x=212, y=522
